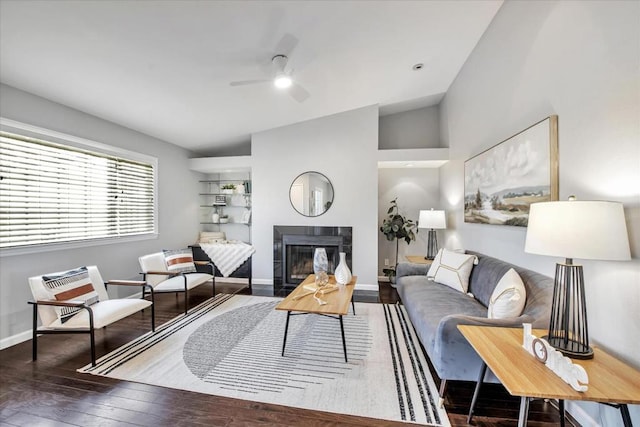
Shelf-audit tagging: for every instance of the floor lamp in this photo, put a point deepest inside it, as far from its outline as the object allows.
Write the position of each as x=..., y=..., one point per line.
x=575, y=229
x=432, y=220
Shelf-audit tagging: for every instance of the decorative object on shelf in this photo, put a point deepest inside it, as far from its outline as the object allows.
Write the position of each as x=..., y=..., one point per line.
x=575, y=229
x=397, y=227
x=246, y=216
x=432, y=220
x=311, y=194
x=342, y=273
x=501, y=183
x=215, y=216
x=220, y=200
x=572, y=374
x=228, y=188
x=320, y=261
x=224, y=219
x=240, y=189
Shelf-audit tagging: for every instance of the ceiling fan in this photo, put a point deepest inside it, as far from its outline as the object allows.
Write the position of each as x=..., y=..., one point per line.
x=281, y=78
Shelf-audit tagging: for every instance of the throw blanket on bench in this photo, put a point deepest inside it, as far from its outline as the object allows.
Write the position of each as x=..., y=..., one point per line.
x=227, y=257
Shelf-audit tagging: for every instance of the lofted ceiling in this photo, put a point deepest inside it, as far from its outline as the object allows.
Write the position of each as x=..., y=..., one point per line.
x=164, y=67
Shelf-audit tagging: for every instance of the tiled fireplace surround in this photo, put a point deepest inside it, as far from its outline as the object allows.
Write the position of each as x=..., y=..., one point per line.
x=293, y=248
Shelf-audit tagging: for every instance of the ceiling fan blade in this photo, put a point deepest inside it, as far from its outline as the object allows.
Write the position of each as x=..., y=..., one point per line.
x=298, y=93
x=248, y=82
x=287, y=43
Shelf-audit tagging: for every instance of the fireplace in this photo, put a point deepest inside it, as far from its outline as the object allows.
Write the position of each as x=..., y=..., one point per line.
x=294, y=246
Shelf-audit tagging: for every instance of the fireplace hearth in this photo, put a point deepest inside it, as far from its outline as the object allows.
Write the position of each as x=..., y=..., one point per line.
x=294, y=246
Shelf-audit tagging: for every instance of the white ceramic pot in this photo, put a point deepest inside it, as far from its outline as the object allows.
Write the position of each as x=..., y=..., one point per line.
x=342, y=273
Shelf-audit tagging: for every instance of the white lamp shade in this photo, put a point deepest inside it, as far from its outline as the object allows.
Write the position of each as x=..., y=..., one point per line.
x=432, y=219
x=578, y=229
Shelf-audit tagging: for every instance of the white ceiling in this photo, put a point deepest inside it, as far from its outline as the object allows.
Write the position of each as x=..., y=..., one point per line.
x=163, y=67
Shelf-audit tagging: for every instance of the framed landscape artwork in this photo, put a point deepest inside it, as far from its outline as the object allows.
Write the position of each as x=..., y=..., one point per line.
x=502, y=182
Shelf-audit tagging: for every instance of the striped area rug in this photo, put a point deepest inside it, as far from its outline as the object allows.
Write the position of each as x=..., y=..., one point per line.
x=231, y=346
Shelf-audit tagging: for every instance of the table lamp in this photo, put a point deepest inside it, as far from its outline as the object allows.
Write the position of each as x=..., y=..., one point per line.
x=432, y=220
x=575, y=229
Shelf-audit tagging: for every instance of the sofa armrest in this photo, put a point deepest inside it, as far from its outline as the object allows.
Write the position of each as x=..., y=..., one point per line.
x=449, y=333
x=411, y=269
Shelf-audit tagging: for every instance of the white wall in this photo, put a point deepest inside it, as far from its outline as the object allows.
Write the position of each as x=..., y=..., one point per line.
x=343, y=147
x=579, y=60
x=177, y=205
x=416, y=190
x=418, y=128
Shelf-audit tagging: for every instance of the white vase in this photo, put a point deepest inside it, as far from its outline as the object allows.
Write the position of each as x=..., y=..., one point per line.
x=342, y=273
x=320, y=261
x=215, y=217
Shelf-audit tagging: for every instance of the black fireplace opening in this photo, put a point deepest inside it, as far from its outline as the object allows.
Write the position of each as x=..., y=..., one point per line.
x=299, y=261
x=294, y=248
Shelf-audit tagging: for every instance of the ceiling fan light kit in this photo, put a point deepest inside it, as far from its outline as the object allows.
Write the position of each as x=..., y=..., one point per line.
x=282, y=81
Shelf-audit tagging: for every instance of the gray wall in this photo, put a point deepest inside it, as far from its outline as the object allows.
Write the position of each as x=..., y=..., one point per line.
x=578, y=60
x=344, y=148
x=177, y=206
x=410, y=129
x=416, y=190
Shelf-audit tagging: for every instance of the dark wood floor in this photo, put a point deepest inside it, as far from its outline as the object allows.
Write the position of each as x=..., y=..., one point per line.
x=50, y=392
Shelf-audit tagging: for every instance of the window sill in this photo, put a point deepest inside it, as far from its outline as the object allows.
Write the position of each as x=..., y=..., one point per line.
x=74, y=245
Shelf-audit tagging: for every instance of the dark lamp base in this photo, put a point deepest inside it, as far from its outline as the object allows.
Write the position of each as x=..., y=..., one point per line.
x=570, y=348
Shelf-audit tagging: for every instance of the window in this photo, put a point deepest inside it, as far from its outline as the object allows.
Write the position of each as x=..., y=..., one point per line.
x=52, y=192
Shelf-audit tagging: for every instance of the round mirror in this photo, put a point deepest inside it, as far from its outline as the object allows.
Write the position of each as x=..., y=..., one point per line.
x=311, y=194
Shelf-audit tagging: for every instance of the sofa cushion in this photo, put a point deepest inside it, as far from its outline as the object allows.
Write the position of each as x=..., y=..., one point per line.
x=508, y=298
x=179, y=260
x=428, y=302
x=72, y=285
x=452, y=269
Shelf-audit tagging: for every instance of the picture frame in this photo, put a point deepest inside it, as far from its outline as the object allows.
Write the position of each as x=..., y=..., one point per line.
x=503, y=181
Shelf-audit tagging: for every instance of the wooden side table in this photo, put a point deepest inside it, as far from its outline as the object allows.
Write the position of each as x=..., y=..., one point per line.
x=418, y=259
x=611, y=381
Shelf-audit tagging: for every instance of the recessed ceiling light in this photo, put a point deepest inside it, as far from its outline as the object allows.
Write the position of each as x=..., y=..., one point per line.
x=418, y=66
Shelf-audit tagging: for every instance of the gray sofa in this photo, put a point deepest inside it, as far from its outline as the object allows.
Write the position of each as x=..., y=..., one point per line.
x=436, y=310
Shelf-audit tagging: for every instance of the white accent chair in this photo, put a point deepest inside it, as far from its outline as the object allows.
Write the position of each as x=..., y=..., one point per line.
x=156, y=274
x=90, y=317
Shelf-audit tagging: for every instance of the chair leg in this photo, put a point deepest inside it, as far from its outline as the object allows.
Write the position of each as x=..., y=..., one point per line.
x=93, y=336
x=153, y=312
x=34, y=339
x=93, y=347
x=186, y=299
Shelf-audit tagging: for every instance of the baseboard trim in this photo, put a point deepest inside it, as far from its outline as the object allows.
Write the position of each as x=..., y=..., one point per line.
x=262, y=281
x=15, y=339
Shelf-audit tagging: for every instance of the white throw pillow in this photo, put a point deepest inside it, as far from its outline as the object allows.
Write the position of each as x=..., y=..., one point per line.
x=452, y=269
x=508, y=298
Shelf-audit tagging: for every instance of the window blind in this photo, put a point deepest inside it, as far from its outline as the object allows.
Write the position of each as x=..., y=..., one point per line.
x=53, y=193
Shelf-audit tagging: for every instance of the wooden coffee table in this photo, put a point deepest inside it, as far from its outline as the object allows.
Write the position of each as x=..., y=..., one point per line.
x=336, y=307
x=611, y=381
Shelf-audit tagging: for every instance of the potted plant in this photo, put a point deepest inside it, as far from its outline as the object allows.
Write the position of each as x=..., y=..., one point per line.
x=397, y=227
x=228, y=188
x=224, y=219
